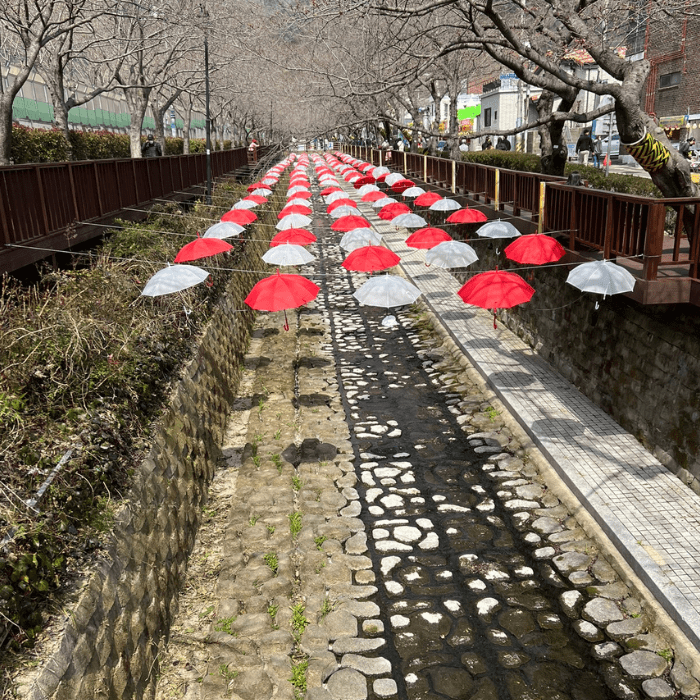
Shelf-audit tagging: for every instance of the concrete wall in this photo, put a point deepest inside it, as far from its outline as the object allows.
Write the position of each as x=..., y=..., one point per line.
x=109, y=642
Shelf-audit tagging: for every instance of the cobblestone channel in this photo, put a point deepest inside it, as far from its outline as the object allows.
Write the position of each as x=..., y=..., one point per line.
x=379, y=532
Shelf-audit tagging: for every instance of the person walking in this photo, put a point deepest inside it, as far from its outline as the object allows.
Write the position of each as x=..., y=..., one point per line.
x=502, y=144
x=151, y=148
x=597, y=151
x=584, y=146
x=487, y=144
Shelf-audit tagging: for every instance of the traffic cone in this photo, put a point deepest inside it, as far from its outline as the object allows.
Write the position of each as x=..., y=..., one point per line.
x=606, y=161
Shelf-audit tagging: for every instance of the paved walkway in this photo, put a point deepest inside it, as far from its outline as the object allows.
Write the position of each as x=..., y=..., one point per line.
x=652, y=517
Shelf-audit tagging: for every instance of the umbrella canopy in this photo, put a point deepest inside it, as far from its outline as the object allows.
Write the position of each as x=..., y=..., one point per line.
x=392, y=178
x=258, y=199
x=409, y=221
x=364, y=180
x=496, y=290
x=174, y=278
x=239, y=216
x=498, y=229
x=445, y=205
x=358, y=238
x=335, y=196
x=384, y=201
x=298, y=201
x=297, y=190
x=427, y=238
x=466, y=216
x=414, y=191
x=386, y=291
x=293, y=221
x=367, y=188
x=244, y=204
x=281, y=292
x=262, y=191
x=373, y=196
x=370, y=259
x=343, y=210
x=202, y=248
x=223, y=230
x=329, y=190
x=601, y=277
x=535, y=249
x=296, y=236
x=347, y=223
x=294, y=209
x=402, y=185
x=288, y=254
x=303, y=194
x=341, y=202
x=389, y=211
x=380, y=172
x=451, y=254
x=427, y=199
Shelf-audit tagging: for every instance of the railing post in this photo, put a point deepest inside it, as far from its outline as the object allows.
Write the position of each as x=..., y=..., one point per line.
x=405, y=163
x=425, y=168
x=654, y=240
x=609, y=232
x=497, y=190
x=42, y=200
x=380, y=158
x=541, y=208
x=454, y=176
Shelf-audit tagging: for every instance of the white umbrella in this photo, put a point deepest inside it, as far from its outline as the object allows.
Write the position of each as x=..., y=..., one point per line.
x=409, y=221
x=394, y=177
x=262, y=191
x=358, y=238
x=498, y=229
x=451, y=254
x=367, y=188
x=298, y=202
x=244, y=204
x=344, y=210
x=224, y=229
x=288, y=254
x=174, y=278
x=296, y=190
x=293, y=221
x=378, y=172
x=445, y=205
x=601, y=277
x=269, y=181
x=387, y=291
x=328, y=180
x=383, y=202
x=339, y=194
x=414, y=191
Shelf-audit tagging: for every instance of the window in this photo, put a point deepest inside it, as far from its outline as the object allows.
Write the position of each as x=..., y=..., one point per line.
x=487, y=117
x=495, y=115
x=670, y=80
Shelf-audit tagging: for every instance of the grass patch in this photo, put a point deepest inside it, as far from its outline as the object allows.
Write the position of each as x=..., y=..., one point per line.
x=299, y=621
x=272, y=561
x=295, y=523
x=318, y=541
x=297, y=483
x=298, y=679
x=224, y=625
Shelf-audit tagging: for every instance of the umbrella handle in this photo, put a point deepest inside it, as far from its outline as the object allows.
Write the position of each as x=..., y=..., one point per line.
x=494, y=319
x=210, y=281
x=286, y=322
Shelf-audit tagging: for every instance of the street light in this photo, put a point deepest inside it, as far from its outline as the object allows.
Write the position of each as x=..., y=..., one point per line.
x=207, y=116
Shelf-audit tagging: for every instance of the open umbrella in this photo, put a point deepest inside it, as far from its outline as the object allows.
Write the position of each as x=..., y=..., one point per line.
x=466, y=216
x=451, y=254
x=335, y=196
x=293, y=221
x=294, y=209
x=298, y=201
x=498, y=229
x=281, y=292
x=367, y=188
x=427, y=238
x=343, y=202
x=427, y=199
x=297, y=190
x=364, y=180
x=258, y=199
x=343, y=210
x=288, y=254
x=202, y=248
x=391, y=178
x=303, y=194
x=444, y=204
x=414, y=191
x=601, y=277
x=347, y=223
x=244, y=204
x=384, y=201
x=496, y=289
x=359, y=237
x=402, y=185
x=380, y=172
x=409, y=221
x=329, y=190
x=223, y=230
x=296, y=236
x=535, y=249
x=373, y=196
x=239, y=216
x=386, y=291
x=262, y=191
x=371, y=258
x=389, y=211
x=174, y=278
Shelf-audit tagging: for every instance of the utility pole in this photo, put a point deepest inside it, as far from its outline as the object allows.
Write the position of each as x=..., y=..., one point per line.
x=207, y=114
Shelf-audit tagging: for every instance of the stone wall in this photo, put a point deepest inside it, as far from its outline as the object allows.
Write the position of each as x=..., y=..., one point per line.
x=641, y=364
x=109, y=642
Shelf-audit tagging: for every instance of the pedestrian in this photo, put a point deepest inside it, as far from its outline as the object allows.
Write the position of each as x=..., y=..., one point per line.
x=597, y=151
x=584, y=146
x=487, y=144
x=400, y=146
x=151, y=148
x=685, y=147
x=502, y=144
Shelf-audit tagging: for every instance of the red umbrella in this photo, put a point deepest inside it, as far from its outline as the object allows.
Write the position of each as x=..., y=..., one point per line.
x=340, y=203
x=281, y=292
x=427, y=198
x=535, y=249
x=202, y=248
x=258, y=199
x=401, y=185
x=371, y=258
x=496, y=290
x=295, y=236
x=325, y=192
x=394, y=209
x=427, y=238
x=466, y=216
x=302, y=194
x=294, y=209
x=348, y=223
x=239, y=216
x=364, y=180
x=255, y=186
x=373, y=196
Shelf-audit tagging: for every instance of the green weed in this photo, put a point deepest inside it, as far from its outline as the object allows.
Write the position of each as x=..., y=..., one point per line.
x=295, y=523
x=299, y=621
x=271, y=560
x=297, y=483
x=224, y=625
x=318, y=541
x=298, y=679
x=253, y=519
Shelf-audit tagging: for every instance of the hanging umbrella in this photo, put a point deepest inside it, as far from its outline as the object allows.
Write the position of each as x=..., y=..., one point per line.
x=174, y=278
x=380, y=172
x=536, y=249
x=239, y=216
x=304, y=194
x=347, y=223
x=413, y=191
x=385, y=201
x=601, y=277
x=297, y=190
x=294, y=209
x=364, y=180
x=288, y=254
x=293, y=221
x=254, y=186
x=386, y=291
x=451, y=254
x=498, y=229
x=496, y=290
x=202, y=248
x=335, y=196
x=445, y=205
x=262, y=191
x=373, y=196
x=342, y=202
x=298, y=201
x=392, y=178
x=409, y=221
x=402, y=185
x=427, y=199
x=371, y=258
x=389, y=211
x=359, y=237
x=223, y=230
x=367, y=188
x=281, y=292
x=427, y=238
x=296, y=236
x=244, y=204
x=466, y=216
x=343, y=210
x=258, y=199
x=329, y=190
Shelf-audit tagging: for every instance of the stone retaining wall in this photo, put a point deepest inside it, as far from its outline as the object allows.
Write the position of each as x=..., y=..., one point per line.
x=110, y=641
x=641, y=364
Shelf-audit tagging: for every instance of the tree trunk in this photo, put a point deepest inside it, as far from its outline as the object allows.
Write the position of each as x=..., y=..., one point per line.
x=53, y=77
x=159, y=112
x=186, y=128
x=6, y=100
x=137, y=100
x=453, y=122
x=553, y=148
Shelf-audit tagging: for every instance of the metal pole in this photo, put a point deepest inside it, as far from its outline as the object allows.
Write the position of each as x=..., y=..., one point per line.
x=206, y=105
x=607, y=157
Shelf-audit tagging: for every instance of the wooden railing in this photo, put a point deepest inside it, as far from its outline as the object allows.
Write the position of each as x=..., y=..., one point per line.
x=50, y=205
x=660, y=232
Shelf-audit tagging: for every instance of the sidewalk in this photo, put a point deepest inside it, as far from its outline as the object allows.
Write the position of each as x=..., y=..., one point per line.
x=652, y=517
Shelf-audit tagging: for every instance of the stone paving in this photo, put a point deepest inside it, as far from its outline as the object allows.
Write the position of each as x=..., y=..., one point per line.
x=379, y=532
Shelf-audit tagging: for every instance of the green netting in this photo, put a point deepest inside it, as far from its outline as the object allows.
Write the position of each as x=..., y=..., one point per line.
x=19, y=108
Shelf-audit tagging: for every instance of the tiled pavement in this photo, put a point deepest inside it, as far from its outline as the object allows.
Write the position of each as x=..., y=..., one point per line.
x=651, y=516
